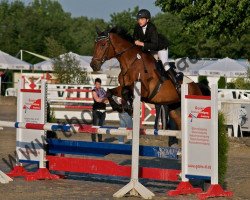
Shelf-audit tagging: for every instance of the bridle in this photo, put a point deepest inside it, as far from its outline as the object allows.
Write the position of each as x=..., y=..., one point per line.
x=106, y=52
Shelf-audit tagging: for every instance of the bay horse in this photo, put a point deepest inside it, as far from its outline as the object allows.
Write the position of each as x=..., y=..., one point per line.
x=134, y=64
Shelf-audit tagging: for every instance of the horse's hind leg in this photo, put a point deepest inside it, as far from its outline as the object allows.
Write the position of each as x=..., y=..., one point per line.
x=175, y=115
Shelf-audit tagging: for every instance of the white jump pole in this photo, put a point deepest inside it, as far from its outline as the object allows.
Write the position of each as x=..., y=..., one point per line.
x=134, y=186
x=0, y=85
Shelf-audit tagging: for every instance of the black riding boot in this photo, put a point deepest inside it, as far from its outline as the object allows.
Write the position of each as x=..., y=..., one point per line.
x=173, y=76
x=161, y=70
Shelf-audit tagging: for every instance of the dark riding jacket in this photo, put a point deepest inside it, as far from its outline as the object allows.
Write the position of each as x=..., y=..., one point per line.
x=152, y=40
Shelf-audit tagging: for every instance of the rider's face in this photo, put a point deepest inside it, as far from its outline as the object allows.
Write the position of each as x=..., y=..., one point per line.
x=142, y=21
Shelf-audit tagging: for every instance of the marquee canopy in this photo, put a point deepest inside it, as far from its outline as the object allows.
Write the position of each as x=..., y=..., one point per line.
x=224, y=67
x=84, y=63
x=48, y=64
x=9, y=62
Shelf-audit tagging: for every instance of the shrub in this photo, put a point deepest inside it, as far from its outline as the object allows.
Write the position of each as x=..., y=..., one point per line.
x=222, y=82
x=203, y=80
x=50, y=119
x=230, y=85
x=222, y=148
x=243, y=83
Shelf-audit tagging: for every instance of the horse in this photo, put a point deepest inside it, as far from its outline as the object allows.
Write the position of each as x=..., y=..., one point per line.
x=136, y=64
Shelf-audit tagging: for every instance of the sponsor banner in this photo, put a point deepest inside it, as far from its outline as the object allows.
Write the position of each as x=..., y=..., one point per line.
x=199, y=137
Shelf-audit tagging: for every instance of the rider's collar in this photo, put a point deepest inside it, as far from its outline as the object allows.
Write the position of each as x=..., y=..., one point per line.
x=144, y=28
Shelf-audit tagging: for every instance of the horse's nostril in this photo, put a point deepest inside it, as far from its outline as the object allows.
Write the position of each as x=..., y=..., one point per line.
x=92, y=65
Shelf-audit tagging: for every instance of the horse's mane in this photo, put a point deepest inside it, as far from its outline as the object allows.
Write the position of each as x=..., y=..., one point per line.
x=123, y=33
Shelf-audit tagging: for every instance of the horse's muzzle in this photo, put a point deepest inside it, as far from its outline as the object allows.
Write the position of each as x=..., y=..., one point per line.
x=95, y=65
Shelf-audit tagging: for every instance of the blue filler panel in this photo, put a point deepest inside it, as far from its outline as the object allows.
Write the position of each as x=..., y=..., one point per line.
x=103, y=149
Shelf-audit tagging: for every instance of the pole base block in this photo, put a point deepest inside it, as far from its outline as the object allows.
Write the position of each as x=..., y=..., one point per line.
x=41, y=174
x=215, y=191
x=184, y=188
x=18, y=171
x=4, y=178
x=135, y=188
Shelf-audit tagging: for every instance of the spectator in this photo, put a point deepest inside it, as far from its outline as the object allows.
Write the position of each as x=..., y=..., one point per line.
x=126, y=121
x=99, y=107
x=161, y=110
x=167, y=122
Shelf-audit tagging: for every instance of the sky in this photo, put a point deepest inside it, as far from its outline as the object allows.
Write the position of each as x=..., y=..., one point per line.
x=103, y=8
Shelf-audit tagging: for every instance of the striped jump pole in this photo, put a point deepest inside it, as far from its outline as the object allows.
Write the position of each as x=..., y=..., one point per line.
x=83, y=128
x=73, y=128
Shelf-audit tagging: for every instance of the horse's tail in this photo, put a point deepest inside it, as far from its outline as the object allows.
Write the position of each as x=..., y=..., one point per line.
x=205, y=89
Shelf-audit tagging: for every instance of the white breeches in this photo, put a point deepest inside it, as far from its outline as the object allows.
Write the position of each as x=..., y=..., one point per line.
x=163, y=56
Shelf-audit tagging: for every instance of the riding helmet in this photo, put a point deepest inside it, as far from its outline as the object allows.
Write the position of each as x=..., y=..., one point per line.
x=143, y=13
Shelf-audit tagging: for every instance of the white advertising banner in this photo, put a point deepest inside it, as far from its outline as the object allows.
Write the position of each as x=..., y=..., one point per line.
x=199, y=136
x=31, y=109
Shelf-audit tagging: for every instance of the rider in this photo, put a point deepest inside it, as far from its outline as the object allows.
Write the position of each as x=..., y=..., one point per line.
x=146, y=36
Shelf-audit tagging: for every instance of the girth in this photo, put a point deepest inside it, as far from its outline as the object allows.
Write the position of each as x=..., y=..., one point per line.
x=156, y=89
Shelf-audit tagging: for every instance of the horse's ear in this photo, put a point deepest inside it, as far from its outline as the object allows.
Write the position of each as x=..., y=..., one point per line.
x=98, y=30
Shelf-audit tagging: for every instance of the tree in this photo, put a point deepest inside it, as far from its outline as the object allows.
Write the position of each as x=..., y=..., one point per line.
x=216, y=18
x=212, y=28
x=83, y=33
x=180, y=44
x=125, y=19
x=67, y=70
x=53, y=47
x=11, y=27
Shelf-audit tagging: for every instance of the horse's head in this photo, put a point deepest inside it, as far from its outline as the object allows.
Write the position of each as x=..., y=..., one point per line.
x=102, y=50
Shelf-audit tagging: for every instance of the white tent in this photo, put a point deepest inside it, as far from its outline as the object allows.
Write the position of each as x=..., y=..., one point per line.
x=110, y=64
x=244, y=62
x=191, y=67
x=107, y=65
x=9, y=62
x=224, y=67
x=48, y=64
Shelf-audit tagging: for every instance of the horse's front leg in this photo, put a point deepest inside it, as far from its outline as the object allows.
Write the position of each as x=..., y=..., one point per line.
x=114, y=92
x=127, y=97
